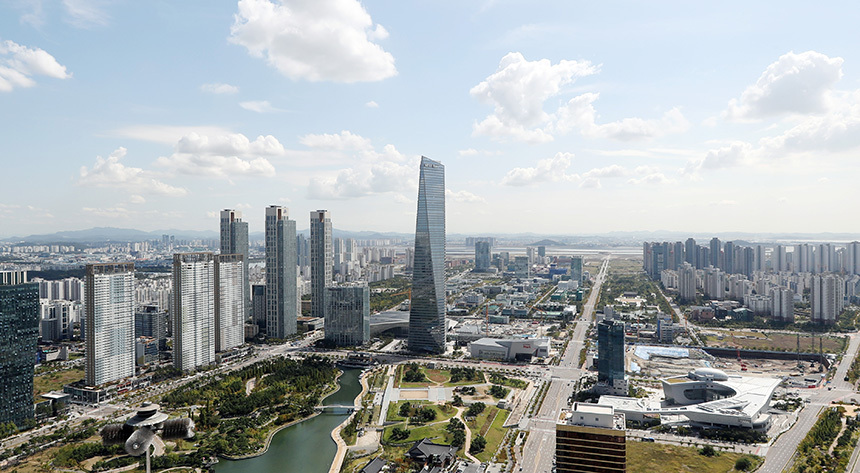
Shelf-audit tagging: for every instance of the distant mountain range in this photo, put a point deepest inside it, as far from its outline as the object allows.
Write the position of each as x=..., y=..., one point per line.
x=105, y=234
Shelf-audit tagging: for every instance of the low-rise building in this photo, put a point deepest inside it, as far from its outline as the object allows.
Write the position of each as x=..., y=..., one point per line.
x=510, y=349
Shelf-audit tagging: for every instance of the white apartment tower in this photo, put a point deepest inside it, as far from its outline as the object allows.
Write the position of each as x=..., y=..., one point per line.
x=687, y=282
x=826, y=298
x=109, y=322
x=782, y=304
x=230, y=301
x=193, y=310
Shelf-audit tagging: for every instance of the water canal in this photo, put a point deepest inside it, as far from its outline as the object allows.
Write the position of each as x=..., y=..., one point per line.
x=306, y=447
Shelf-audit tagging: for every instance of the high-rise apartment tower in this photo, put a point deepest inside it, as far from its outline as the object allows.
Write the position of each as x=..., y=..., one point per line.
x=109, y=322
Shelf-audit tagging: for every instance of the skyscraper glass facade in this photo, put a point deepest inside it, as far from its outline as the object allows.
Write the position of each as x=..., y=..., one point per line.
x=427, y=313
x=610, y=351
x=281, y=290
x=322, y=260
x=19, y=332
x=234, y=241
x=348, y=315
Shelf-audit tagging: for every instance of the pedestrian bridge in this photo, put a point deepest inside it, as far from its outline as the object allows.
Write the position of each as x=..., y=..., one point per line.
x=337, y=408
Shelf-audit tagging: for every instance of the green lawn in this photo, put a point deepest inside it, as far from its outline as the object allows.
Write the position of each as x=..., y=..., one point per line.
x=441, y=414
x=435, y=431
x=489, y=424
x=644, y=457
x=54, y=380
x=494, y=436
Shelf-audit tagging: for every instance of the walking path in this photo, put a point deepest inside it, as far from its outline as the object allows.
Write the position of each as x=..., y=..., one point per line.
x=468, y=436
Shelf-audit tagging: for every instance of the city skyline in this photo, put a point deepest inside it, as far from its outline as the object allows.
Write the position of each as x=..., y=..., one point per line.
x=705, y=115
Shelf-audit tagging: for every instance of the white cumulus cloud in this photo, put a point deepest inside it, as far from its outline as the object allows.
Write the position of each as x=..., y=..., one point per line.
x=345, y=140
x=219, y=88
x=110, y=172
x=795, y=83
x=315, y=40
x=18, y=65
x=259, y=106
x=374, y=172
x=223, y=156
x=547, y=170
x=519, y=89
x=465, y=197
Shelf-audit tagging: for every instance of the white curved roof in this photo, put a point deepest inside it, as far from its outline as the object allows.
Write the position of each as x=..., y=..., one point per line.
x=712, y=373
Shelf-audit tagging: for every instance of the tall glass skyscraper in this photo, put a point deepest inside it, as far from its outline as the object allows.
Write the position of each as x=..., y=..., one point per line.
x=109, y=317
x=427, y=312
x=234, y=241
x=321, y=260
x=610, y=352
x=19, y=332
x=482, y=256
x=281, y=290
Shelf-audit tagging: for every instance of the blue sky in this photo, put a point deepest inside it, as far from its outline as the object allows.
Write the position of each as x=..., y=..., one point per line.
x=550, y=117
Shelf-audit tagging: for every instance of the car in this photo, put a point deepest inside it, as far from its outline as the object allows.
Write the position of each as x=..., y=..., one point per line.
x=648, y=439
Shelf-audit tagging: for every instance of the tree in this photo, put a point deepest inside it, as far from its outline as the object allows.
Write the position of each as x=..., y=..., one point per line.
x=458, y=438
x=498, y=392
x=412, y=373
x=399, y=434
x=458, y=401
x=707, y=451
x=475, y=409
x=478, y=444
x=743, y=464
x=454, y=425
x=405, y=409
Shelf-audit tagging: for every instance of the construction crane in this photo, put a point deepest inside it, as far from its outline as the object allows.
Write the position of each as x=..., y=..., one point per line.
x=738, y=349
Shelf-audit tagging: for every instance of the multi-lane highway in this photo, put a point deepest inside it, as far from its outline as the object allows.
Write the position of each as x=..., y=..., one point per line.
x=540, y=444
x=781, y=453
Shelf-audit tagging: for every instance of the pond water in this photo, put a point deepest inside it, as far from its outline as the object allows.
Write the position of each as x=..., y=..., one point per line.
x=306, y=447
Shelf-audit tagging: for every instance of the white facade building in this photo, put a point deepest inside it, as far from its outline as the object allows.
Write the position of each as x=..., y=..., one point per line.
x=230, y=302
x=109, y=322
x=193, y=310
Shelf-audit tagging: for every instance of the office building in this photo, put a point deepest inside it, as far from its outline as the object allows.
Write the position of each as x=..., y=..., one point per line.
x=281, y=284
x=258, y=300
x=610, y=352
x=591, y=438
x=347, y=321
x=109, y=322
x=193, y=310
x=229, y=301
x=482, y=256
x=322, y=260
x=151, y=322
x=234, y=241
x=427, y=311
x=576, y=269
x=19, y=333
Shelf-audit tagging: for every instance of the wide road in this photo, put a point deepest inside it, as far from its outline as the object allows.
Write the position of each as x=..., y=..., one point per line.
x=781, y=454
x=540, y=444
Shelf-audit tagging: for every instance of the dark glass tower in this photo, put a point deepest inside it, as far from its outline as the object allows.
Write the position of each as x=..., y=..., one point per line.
x=281, y=291
x=19, y=332
x=234, y=241
x=427, y=312
x=610, y=351
x=322, y=260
